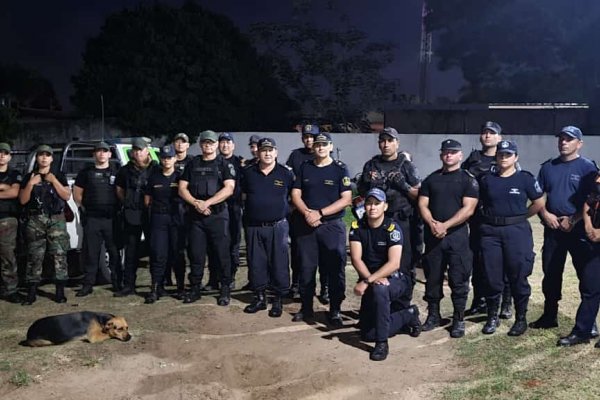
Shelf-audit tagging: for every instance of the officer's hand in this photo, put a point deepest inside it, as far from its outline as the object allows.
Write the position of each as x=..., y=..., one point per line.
x=206, y=212
x=551, y=220
x=592, y=234
x=360, y=288
x=35, y=179
x=375, y=175
x=50, y=177
x=565, y=224
x=382, y=281
x=312, y=217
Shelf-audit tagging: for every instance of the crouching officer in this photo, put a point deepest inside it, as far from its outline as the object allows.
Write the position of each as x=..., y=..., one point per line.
x=10, y=182
x=94, y=193
x=207, y=181
x=375, y=250
x=44, y=196
x=266, y=187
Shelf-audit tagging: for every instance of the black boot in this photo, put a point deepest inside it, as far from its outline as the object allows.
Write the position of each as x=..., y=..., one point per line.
x=85, y=290
x=14, y=298
x=324, y=296
x=224, y=296
x=594, y=333
x=380, y=352
x=434, y=319
x=493, y=321
x=161, y=291
x=335, y=317
x=458, y=324
x=549, y=318
x=306, y=312
x=233, y=273
x=478, y=306
x=180, y=294
x=193, y=295
x=153, y=296
x=276, y=308
x=520, y=325
x=414, y=326
x=505, y=308
x=31, y=294
x=126, y=291
x=60, y=292
x=259, y=303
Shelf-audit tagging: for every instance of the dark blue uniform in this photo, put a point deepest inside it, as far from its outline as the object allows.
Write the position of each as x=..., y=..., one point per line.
x=383, y=309
x=266, y=207
x=506, y=237
x=326, y=244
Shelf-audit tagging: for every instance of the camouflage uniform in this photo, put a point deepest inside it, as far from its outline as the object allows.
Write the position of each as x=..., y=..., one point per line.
x=8, y=261
x=46, y=233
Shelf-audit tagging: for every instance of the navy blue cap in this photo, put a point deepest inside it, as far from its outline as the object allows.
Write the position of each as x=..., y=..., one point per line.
x=167, y=151
x=311, y=129
x=572, y=131
x=253, y=139
x=267, y=142
x=322, y=137
x=377, y=193
x=491, y=126
x=389, y=131
x=507, y=146
x=451, y=144
x=226, y=136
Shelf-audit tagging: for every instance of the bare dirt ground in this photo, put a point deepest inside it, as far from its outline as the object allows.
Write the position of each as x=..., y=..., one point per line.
x=203, y=351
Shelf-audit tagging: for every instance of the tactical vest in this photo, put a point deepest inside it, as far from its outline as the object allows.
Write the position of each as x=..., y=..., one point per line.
x=477, y=165
x=100, y=188
x=44, y=199
x=206, y=178
x=398, y=202
x=135, y=184
x=9, y=206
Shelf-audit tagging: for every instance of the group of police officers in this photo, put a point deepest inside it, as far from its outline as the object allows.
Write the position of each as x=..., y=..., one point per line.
x=475, y=214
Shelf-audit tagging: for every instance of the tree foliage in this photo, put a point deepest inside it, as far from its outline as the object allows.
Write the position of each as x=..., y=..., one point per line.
x=163, y=70
x=519, y=50
x=22, y=87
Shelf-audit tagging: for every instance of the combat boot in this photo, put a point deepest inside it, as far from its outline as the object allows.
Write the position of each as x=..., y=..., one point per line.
x=259, y=303
x=520, y=325
x=306, y=312
x=594, y=332
x=31, y=294
x=505, y=308
x=335, y=317
x=478, y=306
x=549, y=318
x=414, y=326
x=161, y=291
x=458, y=325
x=85, y=291
x=276, y=308
x=434, y=319
x=153, y=296
x=380, y=352
x=493, y=322
x=324, y=296
x=180, y=293
x=14, y=298
x=193, y=295
x=60, y=292
x=224, y=296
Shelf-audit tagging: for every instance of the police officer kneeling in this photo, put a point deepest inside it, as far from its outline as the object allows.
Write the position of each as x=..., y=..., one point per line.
x=376, y=250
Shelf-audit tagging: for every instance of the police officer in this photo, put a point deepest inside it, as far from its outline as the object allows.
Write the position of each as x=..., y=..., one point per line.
x=94, y=193
x=506, y=237
x=130, y=185
x=44, y=195
x=563, y=180
x=207, y=181
x=397, y=176
x=163, y=202
x=266, y=187
x=10, y=183
x=447, y=199
x=321, y=193
x=253, y=144
x=181, y=144
x=375, y=251
x=295, y=160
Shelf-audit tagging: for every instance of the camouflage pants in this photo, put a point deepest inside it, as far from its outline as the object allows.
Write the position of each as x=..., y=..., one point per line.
x=46, y=234
x=8, y=260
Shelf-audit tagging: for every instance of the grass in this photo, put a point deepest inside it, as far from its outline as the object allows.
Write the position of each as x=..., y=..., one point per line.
x=21, y=378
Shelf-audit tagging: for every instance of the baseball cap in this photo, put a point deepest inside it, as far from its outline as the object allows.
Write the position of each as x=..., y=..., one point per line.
x=167, y=151
x=572, y=131
x=226, y=136
x=182, y=136
x=377, y=193
x=208, y=135
x=43, y=148
x=389, y=131
x=139, y=143
x=323, y=137
x=5, y=147
x=102, y=146
x=451, y=144
x=312, y=129
x=507, y=146
x=253, y=139
x=492, y=126
x=267, y=142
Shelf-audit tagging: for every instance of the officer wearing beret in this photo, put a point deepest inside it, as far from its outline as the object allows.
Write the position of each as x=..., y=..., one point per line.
x=375, y=250
x=44, y=195
x=447, y=199
x=506, y=237
x=94, y=193
x=130, y=185
x=207, y=181
x=397, y=176
x=266, y=187
x=321, y=193
x=10, y=182
x=565, y=180
x=162, y=200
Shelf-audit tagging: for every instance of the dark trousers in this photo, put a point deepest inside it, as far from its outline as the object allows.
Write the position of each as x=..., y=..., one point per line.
x=204, y=232
x=384, y=309
x=267, y=249
x=451, y=252
x=296, y=221
x=508, y=250
x=588, y=273
x=95, y=232
x=164, y=248
x=554, y=255
x=324, y=245
x=133, y=250
x=235, y=234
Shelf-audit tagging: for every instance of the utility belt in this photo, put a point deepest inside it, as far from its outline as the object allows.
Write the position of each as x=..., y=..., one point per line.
x=503, y=221
x=265, y=224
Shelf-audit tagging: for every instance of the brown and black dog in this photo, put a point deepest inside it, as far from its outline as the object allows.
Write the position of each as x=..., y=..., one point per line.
x=86, y=325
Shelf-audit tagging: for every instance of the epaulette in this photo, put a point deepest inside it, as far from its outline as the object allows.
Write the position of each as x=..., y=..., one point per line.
x=547, y=161
x=354, y=224
x=339, y=163
x=391, y=227
x=527, y=172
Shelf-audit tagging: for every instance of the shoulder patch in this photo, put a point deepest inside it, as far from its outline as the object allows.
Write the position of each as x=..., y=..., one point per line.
x=346, y=181
x=395, y=235
x=354, y=224
x=391, y=227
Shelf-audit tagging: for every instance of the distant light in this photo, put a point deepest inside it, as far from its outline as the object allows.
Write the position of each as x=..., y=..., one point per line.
x=535, y=106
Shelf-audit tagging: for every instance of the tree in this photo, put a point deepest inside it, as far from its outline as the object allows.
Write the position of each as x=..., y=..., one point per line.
x=163, y=70
x=22, y=87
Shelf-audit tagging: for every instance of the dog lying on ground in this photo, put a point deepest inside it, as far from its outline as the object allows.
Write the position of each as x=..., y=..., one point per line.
x=86, y=325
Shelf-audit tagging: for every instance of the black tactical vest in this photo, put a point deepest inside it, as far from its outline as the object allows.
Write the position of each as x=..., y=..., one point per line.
x=9, y=207
x=100, y=189
x=44, y=199
x=206, y=178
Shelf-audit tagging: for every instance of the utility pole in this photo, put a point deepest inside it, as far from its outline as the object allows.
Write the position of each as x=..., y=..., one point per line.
x=424, y=57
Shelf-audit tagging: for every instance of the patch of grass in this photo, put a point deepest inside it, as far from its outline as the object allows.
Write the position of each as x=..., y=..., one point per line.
x=21, y=378
x=5, y=365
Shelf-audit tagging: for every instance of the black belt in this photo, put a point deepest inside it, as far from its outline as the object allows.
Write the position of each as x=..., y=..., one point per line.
x=502, y=221
x=264, y=224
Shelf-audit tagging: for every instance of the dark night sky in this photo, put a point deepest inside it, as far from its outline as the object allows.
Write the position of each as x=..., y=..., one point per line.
x=50, y=35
